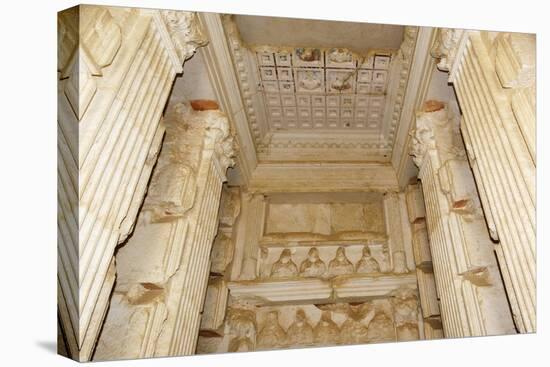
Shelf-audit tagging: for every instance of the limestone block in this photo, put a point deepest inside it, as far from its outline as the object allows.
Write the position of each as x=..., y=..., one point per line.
x=309, y=218
x=222, y=252
x=310, y=290
x=415, y=203
x=427, y=293
x=132, y=325
x=421, y=245
x=215, y=305
x=433, y=328
x=325, y=219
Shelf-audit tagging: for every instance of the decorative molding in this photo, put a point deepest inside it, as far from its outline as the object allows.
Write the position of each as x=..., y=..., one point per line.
x=417, y=87
x=218, y=58
x=342, y=289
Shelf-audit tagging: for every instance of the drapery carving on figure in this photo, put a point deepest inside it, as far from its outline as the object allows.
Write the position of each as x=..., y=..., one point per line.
x=300, y=332
x=367, y=263
x=313, y=266
x=272, y=334
x=340, y=264
x=284, y=267
x=326, y=332
x=242, y=330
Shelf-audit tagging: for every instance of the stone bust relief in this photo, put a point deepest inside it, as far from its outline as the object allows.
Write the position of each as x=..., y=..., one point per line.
x=313, y=266
x=284, y=267
x=340, y=264
x=367, y=263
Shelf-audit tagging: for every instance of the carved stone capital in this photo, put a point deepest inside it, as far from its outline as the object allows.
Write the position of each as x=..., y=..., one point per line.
x=422, y=137
x=185, y=31
x=220, y=138
x=446, y=47
x=437, y=130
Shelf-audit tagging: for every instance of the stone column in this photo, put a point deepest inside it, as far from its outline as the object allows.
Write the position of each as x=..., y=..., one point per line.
x=494, y=78
x=115, y=71
x=473, y=301
x=163, y=268
x=429, y=300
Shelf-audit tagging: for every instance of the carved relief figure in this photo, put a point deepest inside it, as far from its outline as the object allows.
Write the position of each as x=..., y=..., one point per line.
x=381, y=328
x=367, y=264
x=272, y=334
x=340, y=264
x=308, y=54
x=353, y=332
x=326, y=331
x=284, y=267
x=300, y=332
x=242, y=330
x=354, y=329
x=313, y=266
x=341, y=83
x=405, y=305
x=310, y=81
x=339, y=55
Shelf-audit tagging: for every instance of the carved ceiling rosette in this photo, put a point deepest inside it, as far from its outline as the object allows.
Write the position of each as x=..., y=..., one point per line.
x=185, y=31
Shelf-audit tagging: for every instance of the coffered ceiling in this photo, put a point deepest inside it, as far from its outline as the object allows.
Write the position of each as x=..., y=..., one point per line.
x=320, y=91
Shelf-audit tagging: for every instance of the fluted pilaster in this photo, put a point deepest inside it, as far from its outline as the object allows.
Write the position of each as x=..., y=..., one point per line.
x=169, y=253
x=115, y=70
x=494, y=78
x=473, y=301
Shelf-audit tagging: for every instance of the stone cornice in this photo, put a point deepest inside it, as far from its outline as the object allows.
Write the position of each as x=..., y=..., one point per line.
x=344, y=288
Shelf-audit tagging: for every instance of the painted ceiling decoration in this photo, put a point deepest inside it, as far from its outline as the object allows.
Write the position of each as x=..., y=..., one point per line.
x=321, y=104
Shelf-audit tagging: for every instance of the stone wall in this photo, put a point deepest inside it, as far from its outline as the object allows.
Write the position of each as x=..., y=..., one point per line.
x=314, y=269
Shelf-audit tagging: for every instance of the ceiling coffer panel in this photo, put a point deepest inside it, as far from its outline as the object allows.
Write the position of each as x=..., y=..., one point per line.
x=323, y=89
x=321, y=103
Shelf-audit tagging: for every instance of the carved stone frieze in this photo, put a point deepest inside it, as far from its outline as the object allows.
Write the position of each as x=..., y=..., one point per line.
x=291, y=326
x=324, y=261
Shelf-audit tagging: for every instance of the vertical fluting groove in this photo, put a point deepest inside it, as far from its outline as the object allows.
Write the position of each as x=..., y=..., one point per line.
x=502, y=186
x=136, y=155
